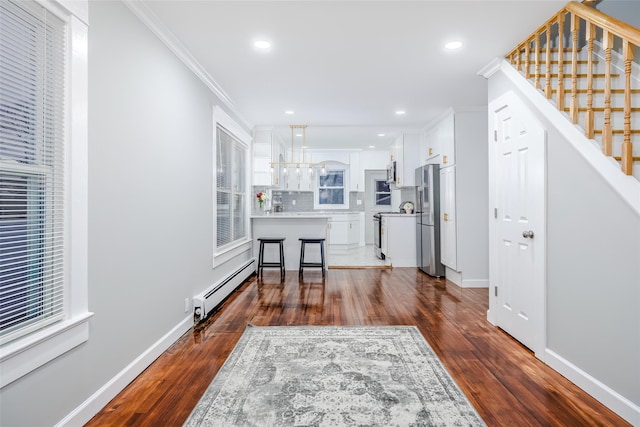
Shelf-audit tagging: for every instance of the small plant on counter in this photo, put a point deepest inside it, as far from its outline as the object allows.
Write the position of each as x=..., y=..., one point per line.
x=262, y=197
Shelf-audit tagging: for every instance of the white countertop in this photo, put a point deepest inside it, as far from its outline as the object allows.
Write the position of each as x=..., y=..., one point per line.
x=292, y=215
x=395, y=215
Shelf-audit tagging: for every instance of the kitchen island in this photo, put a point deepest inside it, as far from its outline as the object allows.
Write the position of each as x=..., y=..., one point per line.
x=291, y=226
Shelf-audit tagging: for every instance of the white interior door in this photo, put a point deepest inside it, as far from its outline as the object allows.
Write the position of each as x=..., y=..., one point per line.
x=519, y=167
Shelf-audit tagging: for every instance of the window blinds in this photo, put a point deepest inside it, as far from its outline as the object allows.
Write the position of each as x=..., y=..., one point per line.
x=32, y=89
x=230, y=188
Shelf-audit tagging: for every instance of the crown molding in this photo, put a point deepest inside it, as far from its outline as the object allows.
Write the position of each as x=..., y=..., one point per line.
x=491, y=68
x=157, y=27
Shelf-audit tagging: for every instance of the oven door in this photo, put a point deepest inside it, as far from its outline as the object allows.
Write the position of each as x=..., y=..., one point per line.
x=377, y=241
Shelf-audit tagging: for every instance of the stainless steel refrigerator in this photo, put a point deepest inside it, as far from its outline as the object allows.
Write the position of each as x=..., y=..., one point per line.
x=428, y=220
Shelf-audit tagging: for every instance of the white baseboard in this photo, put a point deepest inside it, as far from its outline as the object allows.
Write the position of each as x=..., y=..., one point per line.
x=608, y=397
x=83, y=413
x=456, y=277
x=475, y=283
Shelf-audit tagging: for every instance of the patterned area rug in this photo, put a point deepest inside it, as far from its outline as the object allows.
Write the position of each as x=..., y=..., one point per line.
x=333, y=376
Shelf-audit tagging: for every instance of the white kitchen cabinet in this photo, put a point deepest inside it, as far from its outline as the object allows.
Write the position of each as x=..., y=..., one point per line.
x=300, y=180
x=344, y=232
x=464, y=195
x=405, y=152
x=356, y=172
x=267, y=148
x=445, y=134
x=429, y=147
x=399, y=240
x=448, y=232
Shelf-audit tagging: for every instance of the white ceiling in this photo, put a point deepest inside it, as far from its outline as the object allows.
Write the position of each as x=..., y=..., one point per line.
x=345, y=67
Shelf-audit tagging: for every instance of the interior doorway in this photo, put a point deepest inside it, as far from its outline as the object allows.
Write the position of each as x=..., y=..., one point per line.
x=377, y=198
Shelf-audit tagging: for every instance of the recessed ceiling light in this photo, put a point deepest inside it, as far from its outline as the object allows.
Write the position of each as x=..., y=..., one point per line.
x=400, y=112
x=262, y=44
x=289, y=112
x=381, y=134
x=298, y=134
x=372, y=146
x=453, y=45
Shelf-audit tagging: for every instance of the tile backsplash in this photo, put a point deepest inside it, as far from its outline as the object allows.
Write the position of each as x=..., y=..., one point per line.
x=302, y=201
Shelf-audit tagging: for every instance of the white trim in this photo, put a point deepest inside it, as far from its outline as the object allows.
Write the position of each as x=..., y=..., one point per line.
x=151, y=21
x=600, y=391
x=65, y=8
x=475, y=283
x=220, y=117
x=232, y=251
x=627, y=187
x=490, y=69
x=337, y=166
x=226, y=121
x=98, y=400
x=23, y=355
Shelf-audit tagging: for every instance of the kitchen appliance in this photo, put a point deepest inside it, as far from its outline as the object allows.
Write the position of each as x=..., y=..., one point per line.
x=377, y=235
x=277, y=202
x=428, y=220
x=391, y=173
x=377, y=230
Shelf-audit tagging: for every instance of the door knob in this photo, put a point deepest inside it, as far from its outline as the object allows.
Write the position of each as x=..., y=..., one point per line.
x=527, y=234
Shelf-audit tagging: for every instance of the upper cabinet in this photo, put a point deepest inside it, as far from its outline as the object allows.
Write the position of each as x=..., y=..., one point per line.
x=405, y=152
x=356, y=172
x=437, y=144
x=267, y=148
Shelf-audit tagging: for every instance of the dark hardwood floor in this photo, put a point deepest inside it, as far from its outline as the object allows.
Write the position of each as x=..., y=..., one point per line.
x=503, y=380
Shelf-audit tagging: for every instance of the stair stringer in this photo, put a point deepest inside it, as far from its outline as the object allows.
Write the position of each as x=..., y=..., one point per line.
x=627, y=187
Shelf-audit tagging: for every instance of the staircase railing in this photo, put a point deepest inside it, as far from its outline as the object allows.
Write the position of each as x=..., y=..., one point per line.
x=577, y=26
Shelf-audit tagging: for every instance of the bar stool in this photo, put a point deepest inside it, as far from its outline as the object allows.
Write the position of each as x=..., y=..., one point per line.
x=303, y=263
x=262, y=264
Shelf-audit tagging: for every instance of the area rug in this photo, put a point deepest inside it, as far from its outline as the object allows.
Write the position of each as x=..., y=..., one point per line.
x=333, y=376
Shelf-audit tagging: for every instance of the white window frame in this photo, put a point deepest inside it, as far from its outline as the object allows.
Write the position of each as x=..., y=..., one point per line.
x=23, y=355
x=228, y=252
x=376, y=192
x=345, y=183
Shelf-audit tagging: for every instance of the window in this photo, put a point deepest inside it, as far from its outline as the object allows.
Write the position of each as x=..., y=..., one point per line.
x=43, y=285
x=231, y=188
x=31, y=174
x=331, y=191
x=382, y=195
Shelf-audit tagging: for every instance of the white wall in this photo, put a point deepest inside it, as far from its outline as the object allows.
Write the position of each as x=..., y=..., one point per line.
x=593, y=269
x=150, y=213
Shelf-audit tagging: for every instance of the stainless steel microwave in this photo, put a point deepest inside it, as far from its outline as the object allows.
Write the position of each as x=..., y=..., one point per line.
x=391, y=173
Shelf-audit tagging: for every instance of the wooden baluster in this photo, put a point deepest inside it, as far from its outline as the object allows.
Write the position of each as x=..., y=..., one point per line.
x=573, y=105
x=527, y=60
x=627, y=146
x=607, y=132
x=536, y=41
x=547, y=77
x=588, y=119
x=519, y=59
x=560, y=88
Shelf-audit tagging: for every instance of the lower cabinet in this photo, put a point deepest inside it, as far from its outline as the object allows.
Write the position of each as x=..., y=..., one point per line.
x=399, y=240
x=344, y=232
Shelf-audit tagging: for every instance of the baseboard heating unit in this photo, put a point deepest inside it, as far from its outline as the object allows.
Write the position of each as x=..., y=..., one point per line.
x=207, y=301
